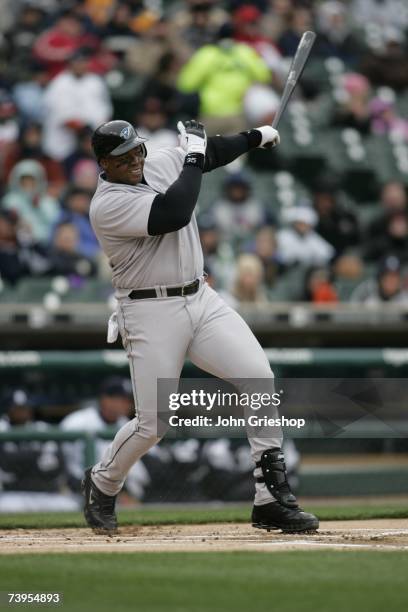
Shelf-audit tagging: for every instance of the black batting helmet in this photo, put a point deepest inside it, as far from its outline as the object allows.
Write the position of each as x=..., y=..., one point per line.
x=116, y=138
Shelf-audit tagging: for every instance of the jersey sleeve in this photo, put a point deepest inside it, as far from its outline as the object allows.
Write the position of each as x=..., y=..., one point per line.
x=163, y=167
x=124, y=214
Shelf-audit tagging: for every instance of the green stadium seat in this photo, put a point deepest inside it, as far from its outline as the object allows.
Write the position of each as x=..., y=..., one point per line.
x=7, y=293
x=290, y=286
x=348, y=155
x=367, y=214
x=93, y=290
x=211, y=189
x=32, y=290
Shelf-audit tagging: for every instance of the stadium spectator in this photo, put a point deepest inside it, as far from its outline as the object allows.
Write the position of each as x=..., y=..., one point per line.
x=21, y=37
x=154, y=43
x=300, y=20
x=221, y=73
x=55, y=47
x=354, y=111
x=196, y=25
x=249, y=285
x=29, y=146
x=276, y=18
x=100, y=11
x=387, y=287
x=82, y=151
x=119, y=24
x=27, y=196
x=19, y=256
x=337, y=225
x=160, y=84
x=8, y=124
x=219, y=257
x=392, y=241
x=319, y=288
x=264, y=246
x=85, y=174
x=76, y=211
x=238, y=213
x=113, y=408
x=246, y=27
x=385, y=119
x=151, y=123
x=348, y=267
x=260, y=105
x=29, y=92
x=393, y=200
x=299, y=243
x=74, y=99
x=65, y=256
x=31, y=472
x=388, y=65
x=335, y=36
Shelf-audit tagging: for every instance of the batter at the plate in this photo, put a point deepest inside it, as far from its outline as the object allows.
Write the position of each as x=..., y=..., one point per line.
x=143, y=215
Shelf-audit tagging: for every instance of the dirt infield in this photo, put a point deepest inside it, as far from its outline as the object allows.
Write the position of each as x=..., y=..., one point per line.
x=384, y=534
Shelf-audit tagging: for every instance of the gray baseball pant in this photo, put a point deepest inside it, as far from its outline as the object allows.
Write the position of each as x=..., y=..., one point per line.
x=158, y=334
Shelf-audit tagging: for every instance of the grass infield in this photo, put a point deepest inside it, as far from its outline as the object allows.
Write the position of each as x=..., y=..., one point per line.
x=171, y=516
x=317, y=581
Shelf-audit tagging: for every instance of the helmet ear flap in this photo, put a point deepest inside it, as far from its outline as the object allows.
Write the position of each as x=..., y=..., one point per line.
x=144, y=149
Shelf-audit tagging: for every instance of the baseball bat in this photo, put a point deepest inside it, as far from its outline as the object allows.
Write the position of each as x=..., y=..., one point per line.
x=296, y=68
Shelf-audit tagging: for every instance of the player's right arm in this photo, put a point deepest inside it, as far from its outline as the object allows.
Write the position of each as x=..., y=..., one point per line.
x=222, y=150
x=173, y=209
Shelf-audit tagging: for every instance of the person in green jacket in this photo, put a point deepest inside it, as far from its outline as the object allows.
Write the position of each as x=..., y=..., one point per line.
x=221, y=73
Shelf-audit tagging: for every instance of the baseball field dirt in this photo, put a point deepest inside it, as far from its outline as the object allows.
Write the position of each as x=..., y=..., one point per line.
x=184, y=560
x=374, y=534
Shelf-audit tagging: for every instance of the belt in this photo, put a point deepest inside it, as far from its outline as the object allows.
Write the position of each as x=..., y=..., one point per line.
x=182, y=290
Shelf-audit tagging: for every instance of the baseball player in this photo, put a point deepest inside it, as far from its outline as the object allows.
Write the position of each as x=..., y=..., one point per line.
x=143, y=216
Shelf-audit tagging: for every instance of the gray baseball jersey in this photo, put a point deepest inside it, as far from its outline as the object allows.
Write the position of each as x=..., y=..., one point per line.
x=119, y=216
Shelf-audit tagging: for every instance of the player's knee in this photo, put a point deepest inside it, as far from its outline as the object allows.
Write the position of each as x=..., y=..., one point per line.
x=147, y=426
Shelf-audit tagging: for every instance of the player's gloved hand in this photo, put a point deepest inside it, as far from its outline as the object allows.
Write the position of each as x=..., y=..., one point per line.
x=193, y=138
x=270, y=137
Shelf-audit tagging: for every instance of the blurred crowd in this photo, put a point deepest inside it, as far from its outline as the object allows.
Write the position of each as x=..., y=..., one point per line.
x=67, y=66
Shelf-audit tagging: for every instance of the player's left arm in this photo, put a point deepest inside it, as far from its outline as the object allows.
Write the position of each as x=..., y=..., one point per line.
x=221, y=150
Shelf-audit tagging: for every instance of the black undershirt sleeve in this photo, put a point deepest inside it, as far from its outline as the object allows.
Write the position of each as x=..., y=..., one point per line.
x=172, y=210
x=222, y=150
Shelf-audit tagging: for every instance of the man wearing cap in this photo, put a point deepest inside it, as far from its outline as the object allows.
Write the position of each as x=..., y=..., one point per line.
x=143, y=216
x=299, y=243
x=113, y=409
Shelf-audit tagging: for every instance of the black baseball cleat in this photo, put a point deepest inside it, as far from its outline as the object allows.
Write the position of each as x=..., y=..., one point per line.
x=289, y=520
x=284, y=512
x=99, y=509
